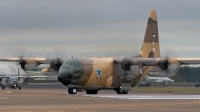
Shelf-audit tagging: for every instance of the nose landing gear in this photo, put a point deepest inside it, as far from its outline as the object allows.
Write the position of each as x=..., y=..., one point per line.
x=72, y=90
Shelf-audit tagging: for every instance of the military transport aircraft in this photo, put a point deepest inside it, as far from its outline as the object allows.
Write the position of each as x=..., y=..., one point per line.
x=160, y=80
x=12, y=80
x=117, y=73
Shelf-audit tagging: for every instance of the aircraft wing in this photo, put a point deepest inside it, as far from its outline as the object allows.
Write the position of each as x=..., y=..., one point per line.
x=186, y=61
x=29, y=60
x=40, y=73
x=37, y=76
x=30, y=76
x=4, y=77
x=31, y=63
x=156, y=61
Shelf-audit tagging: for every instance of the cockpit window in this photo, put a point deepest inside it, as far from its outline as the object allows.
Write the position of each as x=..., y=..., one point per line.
x=66, y=64
x=71, y=64
x=74, y=64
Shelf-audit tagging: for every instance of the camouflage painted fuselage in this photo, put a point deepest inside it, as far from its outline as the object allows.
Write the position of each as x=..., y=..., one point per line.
x=97, y=73
x=91, y=72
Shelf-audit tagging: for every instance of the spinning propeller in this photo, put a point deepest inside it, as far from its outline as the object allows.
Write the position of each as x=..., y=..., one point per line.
x=168, y=65
x=26, y=58
x=124, y=69
x=58, y=56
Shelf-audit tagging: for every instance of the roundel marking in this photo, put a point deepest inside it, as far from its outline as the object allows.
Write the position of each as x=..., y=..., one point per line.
x=141, y=71
x=98, y=72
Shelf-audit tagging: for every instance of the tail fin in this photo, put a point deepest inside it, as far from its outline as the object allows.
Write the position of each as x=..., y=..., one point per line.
x=150, y=46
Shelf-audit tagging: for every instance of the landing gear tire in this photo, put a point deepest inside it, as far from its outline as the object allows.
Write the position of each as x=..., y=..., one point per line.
x=19, y=87
x=91, y=91
x=3, y=87
x=119, y=91
x=124, y=92
x=72, y=90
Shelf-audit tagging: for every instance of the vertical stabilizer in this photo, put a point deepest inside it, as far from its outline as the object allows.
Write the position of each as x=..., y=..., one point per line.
x=150, y=46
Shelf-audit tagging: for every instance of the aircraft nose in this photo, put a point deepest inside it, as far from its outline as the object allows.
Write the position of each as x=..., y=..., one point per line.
x=14, y=82
x=65, y=78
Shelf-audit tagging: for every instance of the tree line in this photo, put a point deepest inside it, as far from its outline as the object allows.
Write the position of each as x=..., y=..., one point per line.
x=187, y=74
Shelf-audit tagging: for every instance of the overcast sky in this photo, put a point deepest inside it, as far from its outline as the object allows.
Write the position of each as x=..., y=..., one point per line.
x=92, y=28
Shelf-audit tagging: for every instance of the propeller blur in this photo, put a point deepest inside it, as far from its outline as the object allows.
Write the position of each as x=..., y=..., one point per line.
x=118, y=73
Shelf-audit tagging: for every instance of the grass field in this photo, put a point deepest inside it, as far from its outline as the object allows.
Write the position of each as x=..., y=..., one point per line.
x=192, y=90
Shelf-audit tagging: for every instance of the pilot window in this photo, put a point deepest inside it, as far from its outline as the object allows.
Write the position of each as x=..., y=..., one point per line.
x=71, y=64
x=77, y=65
x=66, y=64
x=74, y=64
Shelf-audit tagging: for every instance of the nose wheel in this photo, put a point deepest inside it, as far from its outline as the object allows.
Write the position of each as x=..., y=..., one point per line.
x=72, y=90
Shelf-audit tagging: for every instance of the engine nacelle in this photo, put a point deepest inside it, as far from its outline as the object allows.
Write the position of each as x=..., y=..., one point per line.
x=28, y=64
x=56, y=64
x=164, y=64
x=157, y=71
x=125, y=70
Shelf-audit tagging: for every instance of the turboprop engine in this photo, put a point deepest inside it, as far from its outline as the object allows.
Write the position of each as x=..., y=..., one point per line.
x=28, y=63
x=165, y=68
x=125, y=70
x=124, y=67
x=54, y=66
x=25, y=59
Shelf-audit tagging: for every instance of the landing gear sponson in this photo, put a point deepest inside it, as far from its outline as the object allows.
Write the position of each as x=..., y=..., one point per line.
x=74, y=91
x=93, y=91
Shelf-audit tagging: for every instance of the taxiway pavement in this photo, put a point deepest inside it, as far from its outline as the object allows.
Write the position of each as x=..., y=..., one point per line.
x=54, y=98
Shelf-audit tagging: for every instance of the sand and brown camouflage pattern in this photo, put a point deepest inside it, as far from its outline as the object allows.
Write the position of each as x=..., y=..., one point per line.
x=89, y=76
x=99, y=73
x=150, y=46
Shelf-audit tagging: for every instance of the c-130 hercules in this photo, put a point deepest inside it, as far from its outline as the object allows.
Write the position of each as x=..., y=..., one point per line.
x=119, y=74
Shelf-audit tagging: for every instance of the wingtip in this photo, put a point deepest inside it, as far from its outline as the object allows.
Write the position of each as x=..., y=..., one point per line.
x=152, y=14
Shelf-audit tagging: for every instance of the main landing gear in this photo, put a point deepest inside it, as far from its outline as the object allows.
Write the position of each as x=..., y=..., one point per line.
x=119, y=91
x=3, y=87
x=19, y=87
x=74, y=91
x=94, y=91
x=91, y=91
